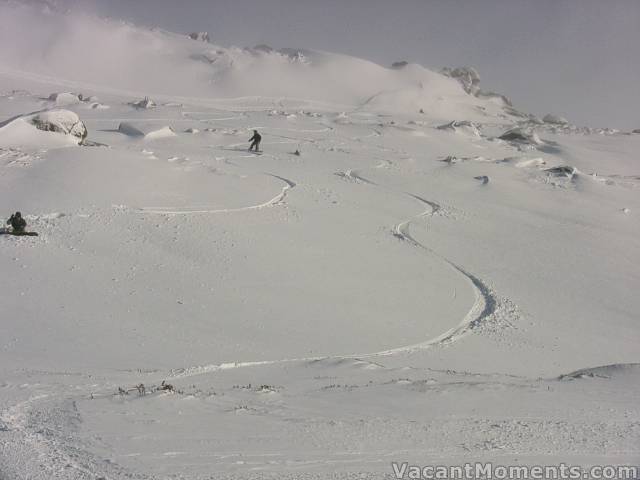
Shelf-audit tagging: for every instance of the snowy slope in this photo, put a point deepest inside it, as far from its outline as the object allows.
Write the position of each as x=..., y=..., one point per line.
x=410, y=288
x=82, y=50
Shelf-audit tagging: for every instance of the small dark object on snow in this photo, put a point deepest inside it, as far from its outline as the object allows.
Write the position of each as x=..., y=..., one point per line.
x=255, y=141
x=141, y=389
x=297, y=153
x=562, y=171
x=166, y=387
x=399, y=65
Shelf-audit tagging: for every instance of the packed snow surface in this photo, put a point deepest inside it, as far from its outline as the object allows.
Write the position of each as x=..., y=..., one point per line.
x=378, y=285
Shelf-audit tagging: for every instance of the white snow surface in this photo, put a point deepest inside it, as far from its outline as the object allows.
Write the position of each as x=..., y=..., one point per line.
x=396, y=292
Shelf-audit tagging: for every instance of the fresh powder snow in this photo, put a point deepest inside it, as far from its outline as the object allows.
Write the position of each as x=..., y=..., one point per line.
x=411, y=269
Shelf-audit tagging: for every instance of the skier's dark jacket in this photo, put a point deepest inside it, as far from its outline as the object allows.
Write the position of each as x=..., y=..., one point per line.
x=256, y=137
x=17, y=222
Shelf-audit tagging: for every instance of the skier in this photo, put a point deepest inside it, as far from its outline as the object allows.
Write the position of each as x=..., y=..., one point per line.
x=255, y=141
x=18, y=224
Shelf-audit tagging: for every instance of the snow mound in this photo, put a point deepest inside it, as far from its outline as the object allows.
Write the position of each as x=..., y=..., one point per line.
x=530, y=162
x=64, y=99
x=61, y=121
x=164, y=132
x=143, y=131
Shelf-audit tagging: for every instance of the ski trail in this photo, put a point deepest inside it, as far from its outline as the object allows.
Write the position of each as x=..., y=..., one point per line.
x=484, y=305
x=289, y=184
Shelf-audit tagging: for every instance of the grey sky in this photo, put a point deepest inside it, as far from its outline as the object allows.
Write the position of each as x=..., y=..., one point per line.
x=578, y=58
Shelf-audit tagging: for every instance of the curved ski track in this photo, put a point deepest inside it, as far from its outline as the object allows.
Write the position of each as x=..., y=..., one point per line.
x=289, y=184
x=483, y=307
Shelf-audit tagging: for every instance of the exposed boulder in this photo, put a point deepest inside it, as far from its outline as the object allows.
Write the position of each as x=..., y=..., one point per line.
x=61, y=121
x=200, y=37
x=565, y=171
x=467, y=76
x=145, y=103
x=399, y=65
x=130, y=130
x=262, y=48
x=521, y=135
x=555, y=119
x=296, y=55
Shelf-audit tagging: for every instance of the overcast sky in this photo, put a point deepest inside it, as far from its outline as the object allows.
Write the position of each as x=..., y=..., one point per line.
x=578, y=58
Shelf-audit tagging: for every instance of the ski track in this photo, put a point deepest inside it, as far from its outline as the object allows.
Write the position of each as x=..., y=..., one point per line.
x=289, y=184
x=483, y=307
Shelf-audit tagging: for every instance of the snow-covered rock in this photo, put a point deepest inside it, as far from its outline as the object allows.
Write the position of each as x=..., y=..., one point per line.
x=200, y=37
x=145, y=103
x=463, y=126
x=399, y=65
x=562, y=171
x=468, y=77
x=64, y=98
x=521, y=135
x=61, y=121
x=555, y=119
x=130, y=130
